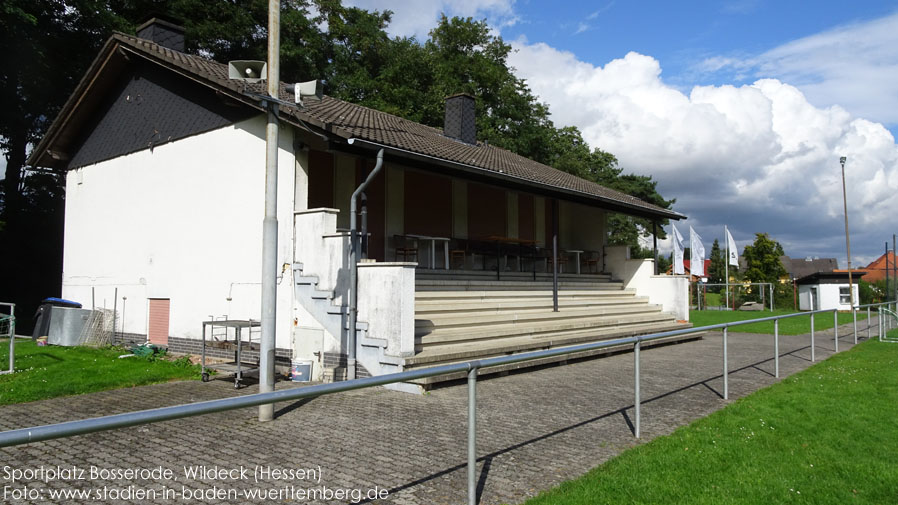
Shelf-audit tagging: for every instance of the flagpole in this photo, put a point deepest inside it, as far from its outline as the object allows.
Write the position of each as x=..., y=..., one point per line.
x=726, y=279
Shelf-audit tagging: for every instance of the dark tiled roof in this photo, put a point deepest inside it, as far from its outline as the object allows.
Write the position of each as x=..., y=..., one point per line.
x=803, y=267
x=348, y=120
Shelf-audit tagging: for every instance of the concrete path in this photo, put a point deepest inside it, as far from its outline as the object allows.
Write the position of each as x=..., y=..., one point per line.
x=536, y=429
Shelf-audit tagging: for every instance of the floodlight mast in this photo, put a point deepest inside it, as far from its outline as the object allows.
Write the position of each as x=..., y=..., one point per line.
x=847, y=238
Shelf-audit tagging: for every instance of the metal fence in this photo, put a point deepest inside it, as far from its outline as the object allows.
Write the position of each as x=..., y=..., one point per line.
x=731, y=290
x=71, y=428
x=884, y=324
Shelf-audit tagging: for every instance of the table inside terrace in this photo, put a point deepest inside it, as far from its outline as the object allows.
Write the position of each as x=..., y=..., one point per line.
x=520, y=242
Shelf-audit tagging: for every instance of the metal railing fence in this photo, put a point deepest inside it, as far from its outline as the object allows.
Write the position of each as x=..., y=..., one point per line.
x=885, y=324
x=80, y=427
x=766, y=292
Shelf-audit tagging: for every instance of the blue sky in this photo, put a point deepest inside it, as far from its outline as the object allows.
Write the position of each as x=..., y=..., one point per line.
x=680, y=36
x=739, y=109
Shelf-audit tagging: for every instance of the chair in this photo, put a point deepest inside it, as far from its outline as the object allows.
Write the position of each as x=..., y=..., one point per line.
x=407, y=247
x=592, y=261
x=562, y=260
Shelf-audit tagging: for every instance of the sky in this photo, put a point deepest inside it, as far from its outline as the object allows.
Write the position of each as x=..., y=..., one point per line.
x=740, y=109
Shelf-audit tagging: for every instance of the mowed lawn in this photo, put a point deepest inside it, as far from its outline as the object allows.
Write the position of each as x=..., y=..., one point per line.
x=49, y=371
x=826, y=435
x=798, y=325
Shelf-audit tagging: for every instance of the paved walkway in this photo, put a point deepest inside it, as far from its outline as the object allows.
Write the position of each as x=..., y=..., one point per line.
x=536, y=429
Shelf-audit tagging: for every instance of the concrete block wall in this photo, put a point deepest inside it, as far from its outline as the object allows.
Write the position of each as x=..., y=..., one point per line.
x=669, y=291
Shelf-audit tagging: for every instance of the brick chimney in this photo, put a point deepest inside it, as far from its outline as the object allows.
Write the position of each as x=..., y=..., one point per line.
x=459, y=122
x=162, y=32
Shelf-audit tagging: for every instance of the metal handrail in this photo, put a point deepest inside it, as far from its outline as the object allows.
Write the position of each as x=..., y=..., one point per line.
x=83, y=426
x=884, y=325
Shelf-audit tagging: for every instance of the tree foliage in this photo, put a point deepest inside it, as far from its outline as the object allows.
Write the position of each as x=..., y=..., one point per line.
x=762, y=260
x=763, y=265
x=717, y=270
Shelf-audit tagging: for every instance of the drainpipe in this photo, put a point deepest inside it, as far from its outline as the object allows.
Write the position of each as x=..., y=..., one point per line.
x=354, y=268
x=364, y=238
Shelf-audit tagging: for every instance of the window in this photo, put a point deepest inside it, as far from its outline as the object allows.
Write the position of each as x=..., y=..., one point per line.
x=844, y=296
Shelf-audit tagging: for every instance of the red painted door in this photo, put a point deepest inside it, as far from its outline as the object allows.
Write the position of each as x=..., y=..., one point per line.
x=157, y=328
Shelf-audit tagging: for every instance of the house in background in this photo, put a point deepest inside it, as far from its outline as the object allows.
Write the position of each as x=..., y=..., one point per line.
x=876, y=270
x=688, y=270
x=164, y=160
x=797, y=268
x=827, y=290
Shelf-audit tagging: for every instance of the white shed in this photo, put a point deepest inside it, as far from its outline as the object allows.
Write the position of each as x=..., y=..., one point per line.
x=827, y=290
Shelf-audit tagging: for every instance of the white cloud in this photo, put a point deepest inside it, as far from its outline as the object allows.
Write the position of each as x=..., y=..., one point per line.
x=854, y=65
x=758, y=157
x=418, y=17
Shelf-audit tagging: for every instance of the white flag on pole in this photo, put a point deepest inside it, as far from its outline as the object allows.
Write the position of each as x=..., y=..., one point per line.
x=696, y=254
x=732, y=251
x=678, y=268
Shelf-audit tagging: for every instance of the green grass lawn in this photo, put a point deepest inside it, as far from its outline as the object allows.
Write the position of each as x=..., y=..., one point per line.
x=823, y=436
x=713, y=300
x=798, y=325
x=51, y=371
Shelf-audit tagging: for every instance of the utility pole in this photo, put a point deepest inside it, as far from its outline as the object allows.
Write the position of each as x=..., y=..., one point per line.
x=270, y=221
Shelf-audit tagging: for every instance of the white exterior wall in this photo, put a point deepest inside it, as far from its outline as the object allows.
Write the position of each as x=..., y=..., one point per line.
x=669, y=291
x=182, y=221
x=828, y=297
x=387, y=304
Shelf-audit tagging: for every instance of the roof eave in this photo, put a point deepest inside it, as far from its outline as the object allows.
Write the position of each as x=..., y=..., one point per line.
x=40, y=155
x=622, y=207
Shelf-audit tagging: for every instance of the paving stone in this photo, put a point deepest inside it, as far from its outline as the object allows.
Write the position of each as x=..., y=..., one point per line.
x=536, y=429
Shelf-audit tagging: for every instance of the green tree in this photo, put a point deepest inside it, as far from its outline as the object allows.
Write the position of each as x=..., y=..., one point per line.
x=869, y=293
x=762, y=259
x=716, y=271
x=763, y=264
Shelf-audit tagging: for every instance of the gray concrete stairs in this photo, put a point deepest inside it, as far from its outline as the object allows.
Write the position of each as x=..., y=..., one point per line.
x=334, y=318
x=463, y=319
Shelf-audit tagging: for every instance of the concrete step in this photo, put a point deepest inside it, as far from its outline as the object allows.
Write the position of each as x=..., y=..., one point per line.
x=430, y=382
x=499, y=332
x=509, y=295
x=479, y=321
x=424, y=361
x=463, y=285
x=426, y=309
x=437, y=274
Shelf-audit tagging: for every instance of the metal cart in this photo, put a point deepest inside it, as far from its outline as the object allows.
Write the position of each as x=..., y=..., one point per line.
x=238, y=367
